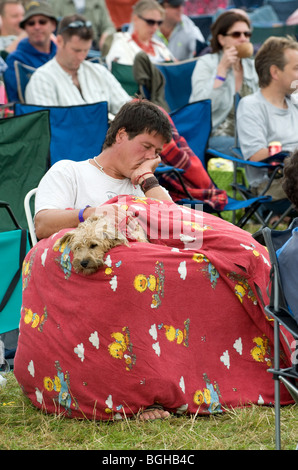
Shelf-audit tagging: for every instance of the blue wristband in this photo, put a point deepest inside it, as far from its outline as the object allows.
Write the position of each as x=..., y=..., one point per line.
x=223, y=79
x=81, y=218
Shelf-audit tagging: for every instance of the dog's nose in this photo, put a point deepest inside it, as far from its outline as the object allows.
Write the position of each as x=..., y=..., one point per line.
x=84, y=263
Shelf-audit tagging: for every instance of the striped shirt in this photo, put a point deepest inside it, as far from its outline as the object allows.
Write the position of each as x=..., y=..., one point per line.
x=50, y=85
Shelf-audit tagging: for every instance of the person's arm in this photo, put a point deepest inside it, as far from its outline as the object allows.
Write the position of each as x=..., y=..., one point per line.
x=50, y=221
x=144, y=176
x=228, y=59
x=260, y=155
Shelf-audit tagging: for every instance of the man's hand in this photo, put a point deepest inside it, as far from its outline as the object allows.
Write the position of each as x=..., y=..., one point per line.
x=148, y=166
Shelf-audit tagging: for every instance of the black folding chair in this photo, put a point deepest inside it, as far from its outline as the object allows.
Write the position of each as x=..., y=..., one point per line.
x=279, y=310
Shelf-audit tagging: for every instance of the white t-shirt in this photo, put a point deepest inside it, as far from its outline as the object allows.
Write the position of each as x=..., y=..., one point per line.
x=70, y=184
x=259, y=123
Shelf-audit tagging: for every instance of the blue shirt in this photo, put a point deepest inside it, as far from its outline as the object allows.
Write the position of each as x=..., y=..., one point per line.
x=27, y=54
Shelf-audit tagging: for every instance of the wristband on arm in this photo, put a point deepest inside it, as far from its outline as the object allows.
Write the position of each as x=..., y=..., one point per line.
x=81, y=218
x=149, y=183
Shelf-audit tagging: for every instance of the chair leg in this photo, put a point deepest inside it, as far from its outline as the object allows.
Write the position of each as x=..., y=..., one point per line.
x=276, y=386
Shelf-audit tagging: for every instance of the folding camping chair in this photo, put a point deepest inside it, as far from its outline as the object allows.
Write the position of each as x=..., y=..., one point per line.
x=177, y=81
x=279, y=310
x=28, y=206
x=193, y=122
x=125, y=76
x=14, y=244
x=77, y=132
x=23, y=74
x=24, y=152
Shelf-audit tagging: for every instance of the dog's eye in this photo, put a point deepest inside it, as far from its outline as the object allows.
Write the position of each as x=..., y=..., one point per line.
x=94, y=245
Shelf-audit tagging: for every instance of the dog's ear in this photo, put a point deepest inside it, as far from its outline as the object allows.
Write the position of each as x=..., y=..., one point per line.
x=66, y=239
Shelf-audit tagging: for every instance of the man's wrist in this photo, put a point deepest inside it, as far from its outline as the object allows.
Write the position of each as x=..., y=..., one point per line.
x=141, y=178
x=149, y=183
x=81, y=213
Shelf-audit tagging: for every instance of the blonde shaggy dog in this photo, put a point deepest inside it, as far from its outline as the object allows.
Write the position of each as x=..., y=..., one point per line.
x=92, y=239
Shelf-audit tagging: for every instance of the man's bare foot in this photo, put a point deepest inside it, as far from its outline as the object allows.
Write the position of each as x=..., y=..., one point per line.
x=153, y=412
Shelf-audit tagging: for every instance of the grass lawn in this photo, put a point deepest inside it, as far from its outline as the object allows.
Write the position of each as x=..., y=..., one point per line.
x=23, y=427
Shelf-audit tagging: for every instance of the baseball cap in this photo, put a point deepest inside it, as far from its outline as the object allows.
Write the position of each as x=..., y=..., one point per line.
x=37, y=8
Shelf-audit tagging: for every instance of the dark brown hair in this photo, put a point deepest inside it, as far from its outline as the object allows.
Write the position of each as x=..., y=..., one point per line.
x=84, y=32
x=290, y=178
x=137, y=117
x=222, y=25
x=272, y=53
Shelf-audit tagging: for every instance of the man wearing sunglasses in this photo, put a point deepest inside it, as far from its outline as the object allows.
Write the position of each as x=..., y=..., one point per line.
x=178, y=32
x=38, y=48
x=68, y=79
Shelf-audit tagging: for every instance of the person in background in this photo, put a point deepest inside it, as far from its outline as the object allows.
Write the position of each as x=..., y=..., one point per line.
x=39, y=23
x=68, y=79
x=95, y=11
x=220, y=75
x=12, y=13
x=147, y=17
x=120, y=11
x=178, y=32
x=271, y=113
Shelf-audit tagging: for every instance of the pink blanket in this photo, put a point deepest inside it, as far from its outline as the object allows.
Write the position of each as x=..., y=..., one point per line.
x=178, y=321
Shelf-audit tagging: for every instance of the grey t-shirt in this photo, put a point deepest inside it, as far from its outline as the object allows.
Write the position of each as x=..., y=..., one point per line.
x=259, y=123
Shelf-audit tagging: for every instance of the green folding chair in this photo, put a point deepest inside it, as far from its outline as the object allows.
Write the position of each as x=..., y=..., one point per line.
x=24, y=158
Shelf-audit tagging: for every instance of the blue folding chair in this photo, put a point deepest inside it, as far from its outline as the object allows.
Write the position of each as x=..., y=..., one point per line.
x=281, y=293
x=23, y=74
x=177, y=81
x=77, y=132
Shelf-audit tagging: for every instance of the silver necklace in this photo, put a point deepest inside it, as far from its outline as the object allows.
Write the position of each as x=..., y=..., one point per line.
x=99, y=166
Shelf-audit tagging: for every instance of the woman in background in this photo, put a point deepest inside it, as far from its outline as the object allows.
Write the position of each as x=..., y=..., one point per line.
x=146, y=18
x=223, y=73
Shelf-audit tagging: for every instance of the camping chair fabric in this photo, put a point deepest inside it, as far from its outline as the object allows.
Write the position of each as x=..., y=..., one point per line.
x=14, y=244
x=285, y=324
x=283, y=8
x=177, y=81
x=262, y=32
x=24, y=150
x=77, y=132
x=23, y=74
x=124, y=75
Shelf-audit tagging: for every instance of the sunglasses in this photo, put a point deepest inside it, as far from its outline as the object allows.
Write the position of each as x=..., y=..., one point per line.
x=150, y=22
x=237, y=34
x=33, y=22
x=77, y=24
